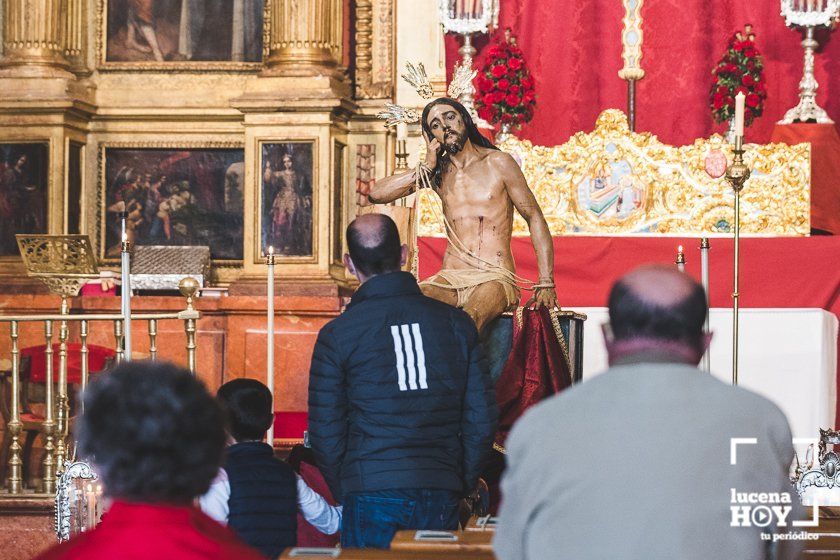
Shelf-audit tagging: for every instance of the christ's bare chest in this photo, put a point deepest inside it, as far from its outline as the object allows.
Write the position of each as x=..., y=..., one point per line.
x=473, y=191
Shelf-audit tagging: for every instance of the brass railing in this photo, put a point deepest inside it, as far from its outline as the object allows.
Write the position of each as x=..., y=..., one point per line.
x=55, y=426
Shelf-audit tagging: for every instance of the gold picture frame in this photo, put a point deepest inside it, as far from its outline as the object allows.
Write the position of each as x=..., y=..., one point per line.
x=103, y=64
x=103, y=188
x=260, y=232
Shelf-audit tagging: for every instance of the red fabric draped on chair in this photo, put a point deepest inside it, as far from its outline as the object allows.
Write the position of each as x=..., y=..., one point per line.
x=536, y=368
x=573, y=49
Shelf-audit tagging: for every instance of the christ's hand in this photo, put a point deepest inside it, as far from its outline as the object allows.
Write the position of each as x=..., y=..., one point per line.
x=432, y=151
x=544, y=297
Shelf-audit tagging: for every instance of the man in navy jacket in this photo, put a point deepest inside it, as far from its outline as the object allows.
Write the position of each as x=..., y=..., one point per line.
x=401, y=405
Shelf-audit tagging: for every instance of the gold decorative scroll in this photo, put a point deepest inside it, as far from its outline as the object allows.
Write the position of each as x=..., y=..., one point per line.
x=631, y=41
x=612, y=181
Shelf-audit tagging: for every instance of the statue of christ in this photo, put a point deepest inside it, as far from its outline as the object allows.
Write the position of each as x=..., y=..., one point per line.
x=479, y=186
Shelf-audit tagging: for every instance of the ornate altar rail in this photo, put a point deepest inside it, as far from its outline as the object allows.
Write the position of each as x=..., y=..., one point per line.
x=613, y=181
x=55, y=426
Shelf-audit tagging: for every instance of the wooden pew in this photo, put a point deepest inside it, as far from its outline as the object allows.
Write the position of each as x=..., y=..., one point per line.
x=486, y=523
x=827, y=545
x=374, y=554
x=445, y=541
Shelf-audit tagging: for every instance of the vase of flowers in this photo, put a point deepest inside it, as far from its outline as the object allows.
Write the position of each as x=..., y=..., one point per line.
x=740, y=70
x=505, y=87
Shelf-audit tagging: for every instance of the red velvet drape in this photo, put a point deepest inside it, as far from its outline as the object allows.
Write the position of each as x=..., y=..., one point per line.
x=574, y=48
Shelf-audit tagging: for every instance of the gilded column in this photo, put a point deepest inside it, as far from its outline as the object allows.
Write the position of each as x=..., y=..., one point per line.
x=305, y=36
x=74, y=33
x=364, y=45
x=34, y=33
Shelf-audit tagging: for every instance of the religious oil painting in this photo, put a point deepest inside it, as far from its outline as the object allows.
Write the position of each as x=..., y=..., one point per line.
x=168, y=31
x=286, y=201
x=24, y=185
x=174, y=196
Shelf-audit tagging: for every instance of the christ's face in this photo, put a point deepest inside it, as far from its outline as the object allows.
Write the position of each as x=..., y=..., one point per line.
x=447, y=127
x=287, y=163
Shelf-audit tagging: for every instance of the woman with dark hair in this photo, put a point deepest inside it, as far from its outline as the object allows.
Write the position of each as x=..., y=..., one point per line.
x=155, y=437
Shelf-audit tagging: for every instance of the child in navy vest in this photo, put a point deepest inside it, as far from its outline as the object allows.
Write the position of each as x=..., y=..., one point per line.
x=255, y=494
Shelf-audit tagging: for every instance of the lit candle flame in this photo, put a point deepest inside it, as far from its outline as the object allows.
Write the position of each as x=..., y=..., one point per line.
x=124, y=237
x=680, y=249
x=271, y=249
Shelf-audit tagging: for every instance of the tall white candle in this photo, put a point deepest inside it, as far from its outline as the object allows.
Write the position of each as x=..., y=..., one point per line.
x=269, y=360
x=739, y=113
x=402, y=131
x=91, y=507
x=125, y=308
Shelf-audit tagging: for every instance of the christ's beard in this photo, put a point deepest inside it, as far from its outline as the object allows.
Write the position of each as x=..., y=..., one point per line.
x=456, y=145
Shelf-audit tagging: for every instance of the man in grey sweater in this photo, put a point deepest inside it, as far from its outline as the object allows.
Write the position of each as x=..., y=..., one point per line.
x=638, y=463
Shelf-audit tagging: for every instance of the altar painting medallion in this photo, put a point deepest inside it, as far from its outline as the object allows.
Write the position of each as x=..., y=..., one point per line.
x=610, y=190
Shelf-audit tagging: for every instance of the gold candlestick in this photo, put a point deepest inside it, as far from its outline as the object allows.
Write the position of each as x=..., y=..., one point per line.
x=704, y=279
x=737, y=174
x=401, y=155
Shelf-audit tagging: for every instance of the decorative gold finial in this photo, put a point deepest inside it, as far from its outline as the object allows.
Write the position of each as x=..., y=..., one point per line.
x=188, y=286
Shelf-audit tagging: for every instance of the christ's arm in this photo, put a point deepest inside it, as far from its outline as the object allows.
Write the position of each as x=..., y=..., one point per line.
x=391, y=188
x=526, y=204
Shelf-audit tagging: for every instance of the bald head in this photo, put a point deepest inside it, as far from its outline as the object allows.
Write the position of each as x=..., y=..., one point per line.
x=658, y=303
x=373, y=242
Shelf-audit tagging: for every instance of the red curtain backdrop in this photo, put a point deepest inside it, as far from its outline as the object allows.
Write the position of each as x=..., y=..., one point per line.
x=574, y=50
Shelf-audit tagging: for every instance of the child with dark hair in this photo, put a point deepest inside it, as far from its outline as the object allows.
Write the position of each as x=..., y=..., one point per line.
x=255, y=494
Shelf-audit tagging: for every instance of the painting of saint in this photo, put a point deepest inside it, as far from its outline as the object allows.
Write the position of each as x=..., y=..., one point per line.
x=184, y=30
x=23, y=193
x=287, y=218
x=175, y=197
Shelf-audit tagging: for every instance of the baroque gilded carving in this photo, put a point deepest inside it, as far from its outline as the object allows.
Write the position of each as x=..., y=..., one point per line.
x=374, y=49
x=613, y=181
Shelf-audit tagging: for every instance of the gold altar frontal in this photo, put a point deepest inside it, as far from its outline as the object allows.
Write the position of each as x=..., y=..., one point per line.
x=612, y=181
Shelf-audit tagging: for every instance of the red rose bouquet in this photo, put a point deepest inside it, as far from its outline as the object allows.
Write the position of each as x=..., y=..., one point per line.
x=505, y=87
x=740, y=70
